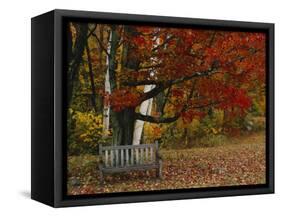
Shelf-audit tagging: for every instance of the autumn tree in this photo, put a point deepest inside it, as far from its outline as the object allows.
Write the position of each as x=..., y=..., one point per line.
x=187, y=70
x=195, y=69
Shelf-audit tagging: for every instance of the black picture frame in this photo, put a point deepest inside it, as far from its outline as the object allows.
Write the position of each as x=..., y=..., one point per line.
x=48, y=163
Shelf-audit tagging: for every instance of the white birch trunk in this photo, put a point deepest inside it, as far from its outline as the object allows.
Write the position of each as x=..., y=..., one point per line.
x=145, y=109
x=106, y=110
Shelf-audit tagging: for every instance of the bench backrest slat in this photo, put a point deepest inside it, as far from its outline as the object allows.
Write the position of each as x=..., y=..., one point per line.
x=130, y=155
x=146, y=154
x=137, y=156
x=116, y=157
x=141, y=156
x=151, y=154
x=106, y=158
x=127, y=157
x=122, y=157
x=111, y=157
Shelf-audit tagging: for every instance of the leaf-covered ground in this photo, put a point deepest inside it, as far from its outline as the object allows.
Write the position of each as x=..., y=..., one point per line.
x=241, y=162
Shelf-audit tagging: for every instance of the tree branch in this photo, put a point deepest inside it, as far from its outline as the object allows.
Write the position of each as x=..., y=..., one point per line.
x=162, y=119
x=165, y=101
x=100, y=43
x=91, y=31
x=139, y=83
x=157, y=120
x=150, y=66
x=210, y=71
x=156, y=90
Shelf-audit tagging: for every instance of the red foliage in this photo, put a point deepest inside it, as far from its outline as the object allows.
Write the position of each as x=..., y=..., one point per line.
x=179, y=93
x=235, y=62
x=123, y=98
x=188, y=116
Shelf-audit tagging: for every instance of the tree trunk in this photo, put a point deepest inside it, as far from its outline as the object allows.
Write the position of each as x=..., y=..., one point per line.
x=161, y=100
x=123, y=121
x=145, y=109
x=91, y=75
x=123, y=126
x=75, y=54
x=117, y=118
x=107, y=88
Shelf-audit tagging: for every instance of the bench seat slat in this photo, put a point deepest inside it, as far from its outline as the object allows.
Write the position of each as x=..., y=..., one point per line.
x=135, y=167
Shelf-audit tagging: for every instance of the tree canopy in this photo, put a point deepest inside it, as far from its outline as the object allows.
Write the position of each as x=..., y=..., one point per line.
x=187, y=70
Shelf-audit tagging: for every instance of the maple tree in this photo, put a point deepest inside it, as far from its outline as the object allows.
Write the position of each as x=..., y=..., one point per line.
x=202, y=68
x=191, y=69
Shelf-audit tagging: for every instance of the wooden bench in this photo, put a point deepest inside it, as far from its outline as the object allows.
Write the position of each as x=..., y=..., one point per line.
x=114, y=159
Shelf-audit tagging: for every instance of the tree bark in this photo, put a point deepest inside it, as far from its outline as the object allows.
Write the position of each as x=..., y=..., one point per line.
x=91, y=75
x=75, y=54
x=146, y=106
x=123, y=126
x=122, y=121
x=110, y=78
x=107, y=88
x=161, y=101
x=145, y=109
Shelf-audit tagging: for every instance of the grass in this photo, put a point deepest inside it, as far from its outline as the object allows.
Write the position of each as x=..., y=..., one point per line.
x=240, y=161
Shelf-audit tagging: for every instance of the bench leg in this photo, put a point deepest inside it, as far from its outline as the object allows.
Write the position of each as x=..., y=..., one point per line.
x=101, y=177
x=159, y=170
x=101, y=174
